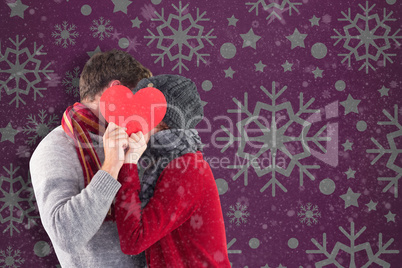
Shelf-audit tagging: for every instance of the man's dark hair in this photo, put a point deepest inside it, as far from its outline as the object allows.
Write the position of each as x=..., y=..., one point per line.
x=104, y=67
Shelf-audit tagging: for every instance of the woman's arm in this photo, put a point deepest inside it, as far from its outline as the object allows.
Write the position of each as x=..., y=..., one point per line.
x=177, y=195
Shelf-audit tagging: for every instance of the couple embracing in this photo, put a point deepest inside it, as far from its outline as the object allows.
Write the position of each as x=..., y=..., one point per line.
x=107, y=199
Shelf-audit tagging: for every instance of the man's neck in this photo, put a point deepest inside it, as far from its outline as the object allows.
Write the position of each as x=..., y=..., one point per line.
x=93, y=106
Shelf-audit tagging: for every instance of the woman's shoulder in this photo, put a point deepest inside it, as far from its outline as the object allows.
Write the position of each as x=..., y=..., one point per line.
x=187, y=162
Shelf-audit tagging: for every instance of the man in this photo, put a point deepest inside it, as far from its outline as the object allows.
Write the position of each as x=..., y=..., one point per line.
x=75, y=178
x=172, y=211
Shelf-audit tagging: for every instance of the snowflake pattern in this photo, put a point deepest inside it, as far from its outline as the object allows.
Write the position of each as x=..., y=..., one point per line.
x=39, y=128
x=11, y=258
x=352, y=249
x=238, y=213
x=132, y=44
x=394, y=152
x=273, y=144
x=326, y=94
x=309, y=214
x=233, y=251
x=368, y=39
x=72, y=82
x=18, y=67
x=18, y=200
x=393, y=84
x=101, y=28
x=274, y=9
x=182, y=43
x=65, y=34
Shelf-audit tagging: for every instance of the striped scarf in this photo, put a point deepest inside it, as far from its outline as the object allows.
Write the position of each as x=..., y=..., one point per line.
x=77, y=122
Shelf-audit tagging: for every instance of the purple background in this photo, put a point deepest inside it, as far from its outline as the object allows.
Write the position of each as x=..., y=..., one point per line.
x=270, y=220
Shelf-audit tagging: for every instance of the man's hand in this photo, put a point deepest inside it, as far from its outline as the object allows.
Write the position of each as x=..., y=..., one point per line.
x=137, y=146
x=115, y=141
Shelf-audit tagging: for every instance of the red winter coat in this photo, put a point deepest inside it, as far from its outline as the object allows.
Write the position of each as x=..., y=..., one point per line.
x=182, y=225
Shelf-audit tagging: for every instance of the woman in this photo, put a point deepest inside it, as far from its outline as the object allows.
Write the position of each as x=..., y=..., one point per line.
x=173, y=211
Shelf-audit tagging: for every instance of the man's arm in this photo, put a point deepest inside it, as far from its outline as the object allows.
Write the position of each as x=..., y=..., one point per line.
x=177, y=195
x=70, y=216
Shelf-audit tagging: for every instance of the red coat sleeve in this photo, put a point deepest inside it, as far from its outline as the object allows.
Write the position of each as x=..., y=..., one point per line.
x=177, y=195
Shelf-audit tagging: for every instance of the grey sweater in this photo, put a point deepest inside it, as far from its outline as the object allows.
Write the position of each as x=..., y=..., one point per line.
x=73, y=216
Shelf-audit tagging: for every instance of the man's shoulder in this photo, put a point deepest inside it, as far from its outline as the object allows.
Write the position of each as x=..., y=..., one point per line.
x=56, y=140
x=57, y=137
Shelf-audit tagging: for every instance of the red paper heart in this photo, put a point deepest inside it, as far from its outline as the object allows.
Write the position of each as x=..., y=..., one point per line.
x=139, y=112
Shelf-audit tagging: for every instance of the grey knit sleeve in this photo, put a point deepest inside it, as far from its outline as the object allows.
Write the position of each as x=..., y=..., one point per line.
x=70, y=215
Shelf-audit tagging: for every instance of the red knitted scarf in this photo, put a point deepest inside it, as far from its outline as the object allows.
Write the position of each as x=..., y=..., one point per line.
x=77, y=122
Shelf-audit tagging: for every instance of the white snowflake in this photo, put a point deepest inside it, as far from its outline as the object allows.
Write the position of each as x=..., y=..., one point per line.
x=11, y=258
x=274, y=8
x=65, y=34
x=238, y=214
x=309, y=214
x=101, y=28
x=352, y=250
x=72, y=82
x=39, y=128
x=272, y=143
x=393, y=141
x=20, y=71
x=18, y=200
x=181, y=43
x=362, y=36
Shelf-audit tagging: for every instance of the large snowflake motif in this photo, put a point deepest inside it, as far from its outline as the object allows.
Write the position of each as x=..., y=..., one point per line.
x=39, y=128
x=309, y=214
x=394, y=152
x=20, y=71
x=72, y=82
x=276, y=147
x=352, y=250
x=233, y=251
x=101, y=28
x=274, y=8
x=18, y=200
x=238, y=214
x=367, y=37
x=11, y=258
x=182, y=42
x=65, y=34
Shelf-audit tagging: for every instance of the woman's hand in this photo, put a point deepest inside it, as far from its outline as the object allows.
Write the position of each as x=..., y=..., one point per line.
x=136, y=147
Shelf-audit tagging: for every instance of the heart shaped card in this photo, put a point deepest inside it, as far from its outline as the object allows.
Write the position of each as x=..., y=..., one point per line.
x=141, y=111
